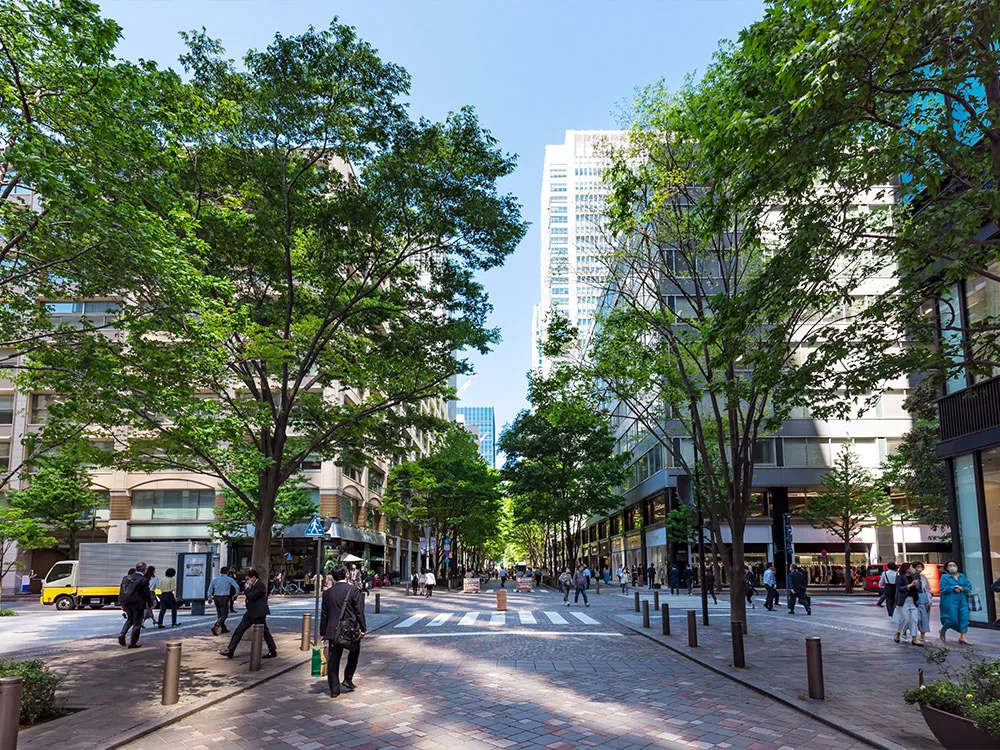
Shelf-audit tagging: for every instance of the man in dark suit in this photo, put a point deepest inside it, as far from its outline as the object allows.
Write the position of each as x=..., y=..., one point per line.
x=333, y=601
x=797, y=590
x=256, y=614
x=135, y=597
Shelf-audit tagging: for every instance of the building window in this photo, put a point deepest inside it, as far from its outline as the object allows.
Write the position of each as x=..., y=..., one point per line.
x=950, y=316
x=348, y=510
x=40, y=405
x=352, y=472
x=763, y=452
x=312, y=462
x=4, y=456
x=983, y=303
x=375, y=480
x=970, y=534
x=173, y=505
x=991, y=497
x=6, y=408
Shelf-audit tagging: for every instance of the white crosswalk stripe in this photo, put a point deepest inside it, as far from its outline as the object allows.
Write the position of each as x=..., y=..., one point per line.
x=410, y=621
x=439, y=620
x=527, y=618
x=498, y=618
x=585, y=619
x=469, y=618
x=555, y=618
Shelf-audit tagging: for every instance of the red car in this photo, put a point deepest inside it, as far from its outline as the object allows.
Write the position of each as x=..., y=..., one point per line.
x=874, y=573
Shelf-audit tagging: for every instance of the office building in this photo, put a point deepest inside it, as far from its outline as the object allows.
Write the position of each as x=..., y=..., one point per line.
x=479, y=421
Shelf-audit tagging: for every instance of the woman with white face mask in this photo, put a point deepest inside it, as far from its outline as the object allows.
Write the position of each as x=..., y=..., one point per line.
x=906, y=615
x=955, y=591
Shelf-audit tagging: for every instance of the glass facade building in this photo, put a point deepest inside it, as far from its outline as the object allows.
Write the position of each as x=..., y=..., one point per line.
x=480, y=418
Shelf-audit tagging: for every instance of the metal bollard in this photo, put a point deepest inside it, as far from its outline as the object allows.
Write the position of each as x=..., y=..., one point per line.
x=598, y=585
x=171, y=675
x=739, y=654
x=665, y=613
x=814, y=668
x=656, y=600
x=378, y=603
x=693, y=628
x=636, y=601
x=645, y=613
x=306, y=631
x=11, y=689
x=256, y=646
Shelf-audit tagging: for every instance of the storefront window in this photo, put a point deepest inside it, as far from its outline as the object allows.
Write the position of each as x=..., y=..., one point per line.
x=173, y=505
x=968, y=524
x=991, y=497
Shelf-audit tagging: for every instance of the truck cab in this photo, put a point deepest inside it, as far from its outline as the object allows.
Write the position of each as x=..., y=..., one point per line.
x=62, y=589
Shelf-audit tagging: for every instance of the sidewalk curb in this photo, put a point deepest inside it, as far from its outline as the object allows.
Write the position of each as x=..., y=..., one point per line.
x=148, y=729
x=861, y=735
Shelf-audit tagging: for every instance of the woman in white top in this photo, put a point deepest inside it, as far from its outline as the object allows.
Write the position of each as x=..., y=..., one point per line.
x=429, y=582
x=422, y=581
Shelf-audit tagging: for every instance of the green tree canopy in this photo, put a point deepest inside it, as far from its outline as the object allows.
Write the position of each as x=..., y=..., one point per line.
x=293, y=504
x=18, y=533
x=338, y=240
x=561, y=463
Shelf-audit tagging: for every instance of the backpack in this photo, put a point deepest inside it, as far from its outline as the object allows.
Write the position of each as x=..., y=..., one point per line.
x=348, y=633
x=129, y=592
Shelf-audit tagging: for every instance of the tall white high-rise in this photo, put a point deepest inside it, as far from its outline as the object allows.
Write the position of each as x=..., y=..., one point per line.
x=573, y=239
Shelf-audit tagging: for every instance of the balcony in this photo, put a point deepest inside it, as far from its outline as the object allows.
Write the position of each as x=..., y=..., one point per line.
x=970, y=419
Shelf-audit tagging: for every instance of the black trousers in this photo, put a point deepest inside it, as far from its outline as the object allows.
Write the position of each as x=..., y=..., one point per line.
x=890, y=598
x=333, y=667
x=803, y=599
x=430, y=588
x=772, y=600
x=136, y=614
x=244, y=626
x=222, y=611
x=168, y=601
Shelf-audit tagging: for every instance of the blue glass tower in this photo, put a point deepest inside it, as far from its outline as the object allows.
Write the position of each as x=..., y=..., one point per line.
x=481, y=418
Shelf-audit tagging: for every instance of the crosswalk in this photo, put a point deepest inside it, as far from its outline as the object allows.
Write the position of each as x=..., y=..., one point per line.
x=497, y=619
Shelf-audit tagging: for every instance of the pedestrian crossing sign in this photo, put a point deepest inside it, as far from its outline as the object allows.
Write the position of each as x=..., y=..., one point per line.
x=315, y=528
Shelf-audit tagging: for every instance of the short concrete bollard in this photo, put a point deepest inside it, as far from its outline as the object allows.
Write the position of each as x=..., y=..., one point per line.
x=656, y=600
x=636, y=601
x=739, y=655
x=645, y=614
x=378, y=603
x=256, y=646
x=598, y=585
x=665, y=613
x=11, y=689
x=814, y=668
x=171, y=675
x=501, y=600
x=693, y=628
x=307, y=627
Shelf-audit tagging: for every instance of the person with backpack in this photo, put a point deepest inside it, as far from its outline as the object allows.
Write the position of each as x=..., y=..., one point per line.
x=256, y=614
x=134, y=596
x=342, y=625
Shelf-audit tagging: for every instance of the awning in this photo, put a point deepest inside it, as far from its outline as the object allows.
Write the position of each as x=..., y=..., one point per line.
x=353, y=534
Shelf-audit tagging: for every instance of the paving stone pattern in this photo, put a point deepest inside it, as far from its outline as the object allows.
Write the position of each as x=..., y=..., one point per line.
x=519, y=688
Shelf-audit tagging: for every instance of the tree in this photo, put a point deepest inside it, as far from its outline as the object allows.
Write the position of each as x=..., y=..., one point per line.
x=885, y=90
x=851, y=501
x=560, y=458
x=339, y=241
x=682, y=525
x=18, y=533
x=87, y=202
x=452, y=490
x=915, y=469
x=60, y=491
x=527, y=538
x=292, y=504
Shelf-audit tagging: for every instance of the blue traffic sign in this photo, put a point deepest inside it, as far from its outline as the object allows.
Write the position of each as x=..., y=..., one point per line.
x=315, y=528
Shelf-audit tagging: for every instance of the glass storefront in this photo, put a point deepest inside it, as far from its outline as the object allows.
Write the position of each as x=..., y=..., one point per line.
x=991, y=498
x=969, y=529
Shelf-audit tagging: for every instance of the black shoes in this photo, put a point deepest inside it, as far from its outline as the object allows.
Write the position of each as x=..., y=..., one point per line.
x=121, y=640
x=225, y=629
x=225, y=652
x=269, y=655
x=215, y=630
x=133, y=645
x=347, y=687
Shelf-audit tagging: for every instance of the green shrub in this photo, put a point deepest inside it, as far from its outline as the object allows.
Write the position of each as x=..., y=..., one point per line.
x=8, y=613
x=985, y=716
x=38, y=700
x=940, y=694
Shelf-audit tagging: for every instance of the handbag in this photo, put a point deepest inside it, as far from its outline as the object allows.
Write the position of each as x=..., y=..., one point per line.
x=348, y=635
x=975, y=603
x=319, y=661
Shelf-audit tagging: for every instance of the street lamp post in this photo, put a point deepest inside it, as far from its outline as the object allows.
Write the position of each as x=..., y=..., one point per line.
x=428, y=525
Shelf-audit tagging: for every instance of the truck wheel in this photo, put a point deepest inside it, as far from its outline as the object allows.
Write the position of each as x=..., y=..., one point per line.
x=65, y=603
x=97, y=605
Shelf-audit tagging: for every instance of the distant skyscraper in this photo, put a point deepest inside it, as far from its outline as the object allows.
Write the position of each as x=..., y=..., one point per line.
x=573, y=240
x=479, y=421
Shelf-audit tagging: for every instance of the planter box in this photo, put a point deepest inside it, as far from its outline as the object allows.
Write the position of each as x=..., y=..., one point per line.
x=957, y=733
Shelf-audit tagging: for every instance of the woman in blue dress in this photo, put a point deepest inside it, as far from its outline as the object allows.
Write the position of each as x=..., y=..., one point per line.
x=955, y=590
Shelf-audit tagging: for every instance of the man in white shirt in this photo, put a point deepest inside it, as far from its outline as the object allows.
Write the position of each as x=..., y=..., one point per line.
x=430, y=582
x=887, y=582
x=771, y=586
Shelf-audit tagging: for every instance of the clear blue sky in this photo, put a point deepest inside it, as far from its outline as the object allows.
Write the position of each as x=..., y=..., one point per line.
x=532, y=69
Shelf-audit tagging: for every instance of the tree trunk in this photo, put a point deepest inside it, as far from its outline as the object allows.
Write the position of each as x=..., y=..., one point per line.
x=260, y=556
x=738, y=576
x=848, y=578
